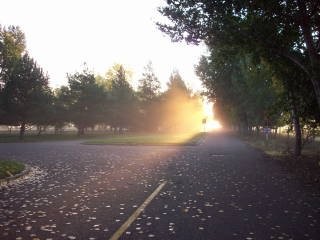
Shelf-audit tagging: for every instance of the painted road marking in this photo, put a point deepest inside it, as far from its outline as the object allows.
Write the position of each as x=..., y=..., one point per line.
x=134, y=216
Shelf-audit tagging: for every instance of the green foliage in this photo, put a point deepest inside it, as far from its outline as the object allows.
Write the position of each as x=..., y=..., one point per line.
x=123, y=99
x=115, y=70
x=10, y=167
x=283, y=35
x=241, y=87
x=149, y=85
x=84, y=100
x=87, y=101
x=59, y=109
x=12, y=47
x=149, y=97
x=180, y=110
x=272, y=30
x=177, y=84
x=295, y=90
x=26, y=95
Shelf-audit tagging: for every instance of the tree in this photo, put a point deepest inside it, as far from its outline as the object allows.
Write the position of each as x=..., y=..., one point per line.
x=252, y=92
x=43, y=116
x=181, y=111
x=12, y=47
x=177, y=84
x=114, y=71
x=149, y=96
x=60, y=106
x=149, y=85
x=26, y=94
x=282, y=33
x=285, y=29
x=123, y=99
x=85, y=100
x=242, y=87
x=297, y=99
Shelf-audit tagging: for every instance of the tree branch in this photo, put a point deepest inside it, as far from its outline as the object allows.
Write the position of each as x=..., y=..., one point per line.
x=296, y=61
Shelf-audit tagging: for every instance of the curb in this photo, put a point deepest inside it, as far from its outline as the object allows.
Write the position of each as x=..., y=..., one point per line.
x=19, y=175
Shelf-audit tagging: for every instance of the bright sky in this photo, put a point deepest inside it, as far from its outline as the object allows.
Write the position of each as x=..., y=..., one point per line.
x=63, y=34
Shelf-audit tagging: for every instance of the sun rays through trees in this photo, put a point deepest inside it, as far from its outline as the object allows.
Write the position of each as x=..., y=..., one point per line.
x=109, y=102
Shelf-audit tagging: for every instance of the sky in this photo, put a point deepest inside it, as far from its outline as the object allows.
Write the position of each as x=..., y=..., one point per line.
x=63, y=34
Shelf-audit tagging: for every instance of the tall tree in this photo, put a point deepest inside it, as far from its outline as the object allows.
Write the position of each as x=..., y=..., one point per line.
x=12, y=47
x=60, y=114
x=176, y=83
x=149, y=84
x=149, y=96
x=181, y=111
x=124, y=102
x=286, y=29
x=242, y=87
x=297, y=99
x=85, y=100
x=251, y=92
x=26, y=94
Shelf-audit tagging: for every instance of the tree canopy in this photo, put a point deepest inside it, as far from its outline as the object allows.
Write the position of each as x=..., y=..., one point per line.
x=264, y=60
x=85, y=100
x=26, y=95
x=269, y=29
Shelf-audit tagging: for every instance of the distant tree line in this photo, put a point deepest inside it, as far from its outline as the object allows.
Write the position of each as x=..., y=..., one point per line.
x=89, y=100
x=263, y=67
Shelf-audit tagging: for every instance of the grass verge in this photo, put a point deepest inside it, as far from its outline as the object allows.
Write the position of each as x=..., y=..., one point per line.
x=149, y=139
x=9, y=168
x=305, y=167
x=281, y=145
x=7, y=138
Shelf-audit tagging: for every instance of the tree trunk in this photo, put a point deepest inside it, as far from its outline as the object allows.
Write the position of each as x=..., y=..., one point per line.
x=245, y=125
x=39, y=130
x=297, y=130
x=56, y=130
x=295, y=120
x=80, y=131
x=22, y=130
x=316, y=85
x=288, y=139
x=306, y=27
x=257, y=130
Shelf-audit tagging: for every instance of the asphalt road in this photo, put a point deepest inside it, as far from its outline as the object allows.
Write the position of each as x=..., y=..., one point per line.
x=220, y=189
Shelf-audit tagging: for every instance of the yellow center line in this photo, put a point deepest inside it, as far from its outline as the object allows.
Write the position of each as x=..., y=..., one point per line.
x=134, y=216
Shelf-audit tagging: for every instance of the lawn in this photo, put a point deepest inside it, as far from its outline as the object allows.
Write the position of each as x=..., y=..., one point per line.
x=306, y=167
x=149, y=139
x=8, y=168
x=282, y=145
x=9, y=138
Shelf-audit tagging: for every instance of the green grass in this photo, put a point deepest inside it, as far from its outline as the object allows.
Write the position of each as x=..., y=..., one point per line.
x=274, y=147
x=148, y=139
x=9, y=138
x=281, y=145
x=8, y=166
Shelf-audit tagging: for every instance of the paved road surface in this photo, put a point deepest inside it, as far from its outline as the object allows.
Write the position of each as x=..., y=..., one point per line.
x=221, y=189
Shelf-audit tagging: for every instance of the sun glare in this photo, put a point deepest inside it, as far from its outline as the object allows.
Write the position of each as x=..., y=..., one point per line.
x=211, y=124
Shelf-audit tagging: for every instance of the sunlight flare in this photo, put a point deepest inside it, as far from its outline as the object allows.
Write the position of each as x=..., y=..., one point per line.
x=210, y=124
x=213, y=125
